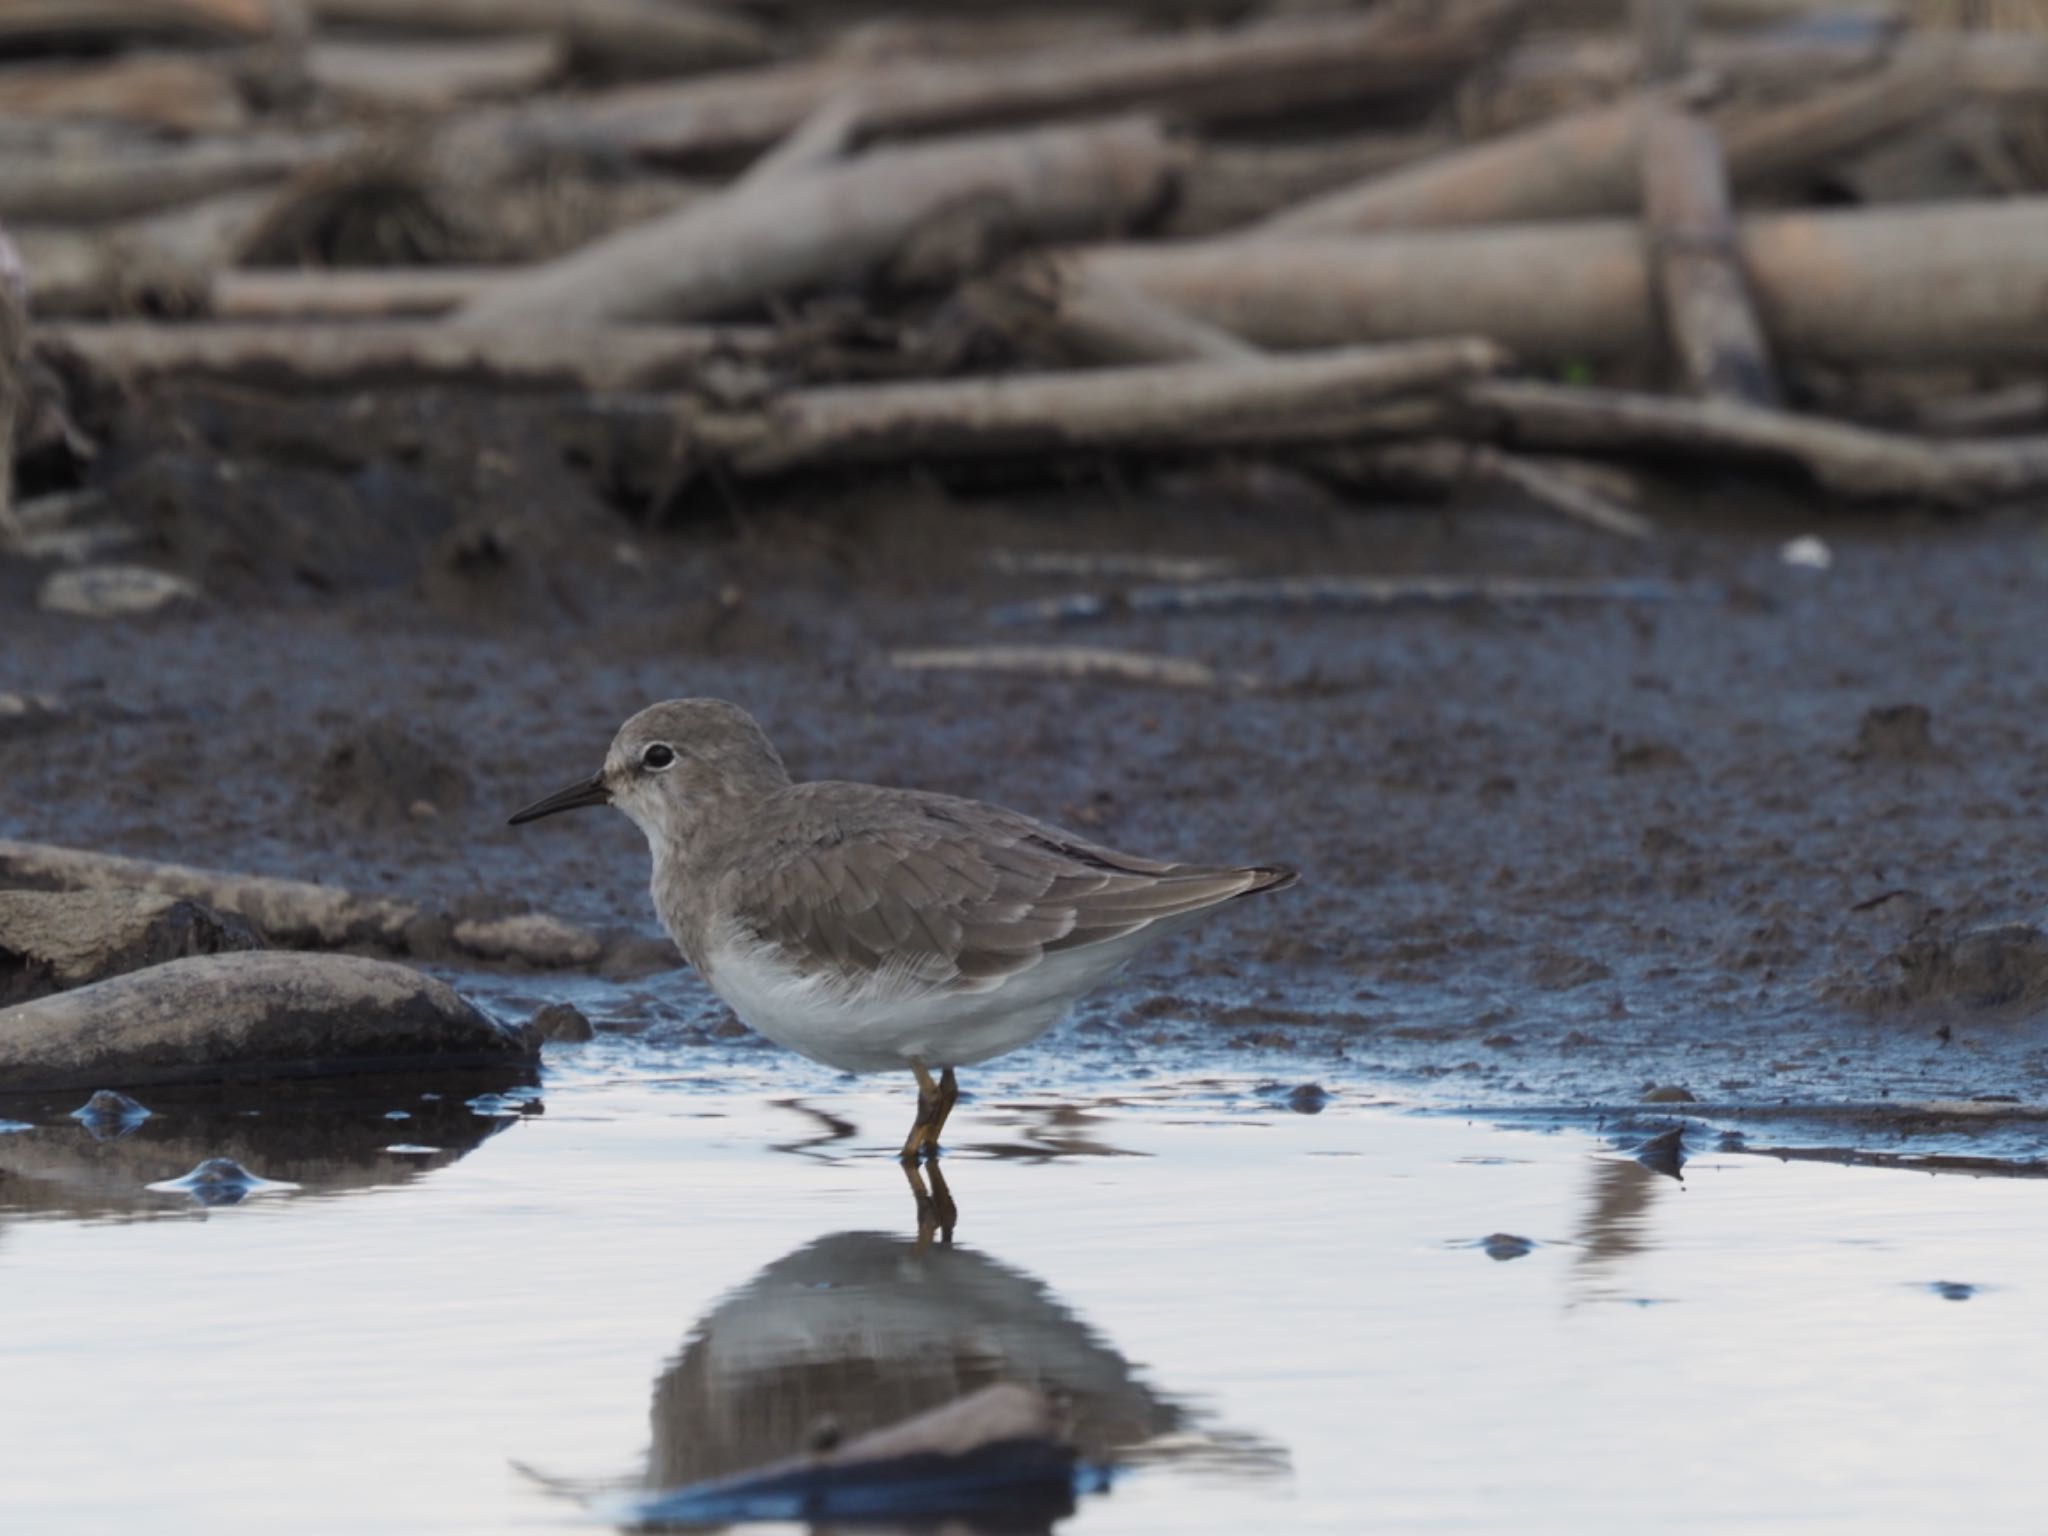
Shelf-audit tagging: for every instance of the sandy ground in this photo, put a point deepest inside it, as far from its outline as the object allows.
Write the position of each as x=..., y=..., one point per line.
x=1771, y=842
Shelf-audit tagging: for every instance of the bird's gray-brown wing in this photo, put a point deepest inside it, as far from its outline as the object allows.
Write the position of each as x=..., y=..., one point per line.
x=950, y=894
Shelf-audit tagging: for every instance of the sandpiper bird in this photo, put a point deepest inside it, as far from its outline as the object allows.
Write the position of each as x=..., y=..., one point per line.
x=877, y=929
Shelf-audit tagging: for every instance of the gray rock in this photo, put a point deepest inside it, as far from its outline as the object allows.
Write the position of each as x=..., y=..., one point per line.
x=255, y=1014
x=561, y=1021
x=114, y=591
x=51, y=941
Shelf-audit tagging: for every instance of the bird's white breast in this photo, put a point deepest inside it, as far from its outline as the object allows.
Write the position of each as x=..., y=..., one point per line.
x=882, y=1021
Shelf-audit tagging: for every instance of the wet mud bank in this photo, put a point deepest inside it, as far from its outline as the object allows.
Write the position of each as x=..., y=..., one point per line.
x=1763, y=842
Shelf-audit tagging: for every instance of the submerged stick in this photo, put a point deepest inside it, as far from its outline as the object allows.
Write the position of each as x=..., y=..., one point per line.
x=1072, y=661
x=1333, y=593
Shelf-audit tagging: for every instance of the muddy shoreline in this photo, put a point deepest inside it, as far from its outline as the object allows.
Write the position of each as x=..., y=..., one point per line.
x=1766, y=844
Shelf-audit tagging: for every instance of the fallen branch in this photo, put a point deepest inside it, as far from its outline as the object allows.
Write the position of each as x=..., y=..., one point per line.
x=1060, y=315
x=362, y=293
x=1851, y=461
x=788, y=235
x=1172, y=406
x=615, y=37
x=1549, y=70
x=104, y=182
x=182, y=93
x=1251, y=73
x=294, y=914
x=1229, y=186
x=1588, y=163
x=158, y=265
x=316, y=356
x=1572, y=495
x=1071, y=661
x=2011, y=409
x=427, y=76
x=45, y=21
x=1826, y=285
x=1331, y=593
x=1446, y=466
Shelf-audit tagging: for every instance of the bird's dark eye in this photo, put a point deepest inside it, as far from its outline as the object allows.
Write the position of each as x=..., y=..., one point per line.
x=657, y=757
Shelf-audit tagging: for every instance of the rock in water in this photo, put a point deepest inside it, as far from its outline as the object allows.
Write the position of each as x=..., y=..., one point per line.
x=109, y=1115
x=561, y=1021
x=220, y=1181
x=51, y=941
x=1308, y=1099
x=254, y=1014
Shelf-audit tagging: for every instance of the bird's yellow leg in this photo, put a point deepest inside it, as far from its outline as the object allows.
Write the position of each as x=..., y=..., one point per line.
x=927, y=1105
x=948, y=1094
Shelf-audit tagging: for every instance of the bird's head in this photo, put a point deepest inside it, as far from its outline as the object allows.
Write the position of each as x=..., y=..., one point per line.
x=671, y=763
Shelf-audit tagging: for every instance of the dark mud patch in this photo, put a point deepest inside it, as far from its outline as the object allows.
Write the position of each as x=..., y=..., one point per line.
x=388, y=772
x=1549, y=854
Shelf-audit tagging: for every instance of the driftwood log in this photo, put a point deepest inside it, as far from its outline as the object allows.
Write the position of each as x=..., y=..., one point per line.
x=1248, y=74
x=112, y=181
x=1554, y=72
x=1173, y=407
x=161, y=264
x=614, y=37
x=1695, y=270
x=1587, y=163
x=360, y=293
x=786, y=235
x=431, y=76
x=1060, y=314
x=182, y=93
x=1957, y=282
x=47, y=21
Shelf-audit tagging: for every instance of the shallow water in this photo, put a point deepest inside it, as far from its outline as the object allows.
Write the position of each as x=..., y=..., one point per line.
x=480, y=1320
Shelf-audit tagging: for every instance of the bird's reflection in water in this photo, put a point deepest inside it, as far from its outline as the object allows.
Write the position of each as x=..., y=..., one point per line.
x=1617, y=1224
x=860, y=1330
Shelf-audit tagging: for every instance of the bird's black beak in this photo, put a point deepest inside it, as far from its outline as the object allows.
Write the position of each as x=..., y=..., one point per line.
x=590, y=791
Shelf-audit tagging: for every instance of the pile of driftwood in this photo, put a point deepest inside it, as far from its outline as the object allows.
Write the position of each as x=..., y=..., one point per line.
x=1409, y=242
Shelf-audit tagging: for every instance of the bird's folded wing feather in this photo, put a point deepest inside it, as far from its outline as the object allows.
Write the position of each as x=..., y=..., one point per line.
x=960, y=897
